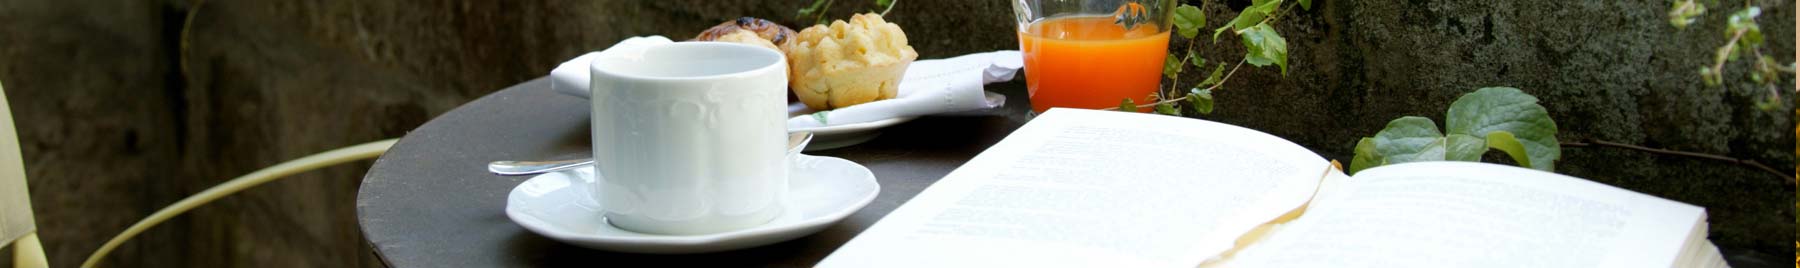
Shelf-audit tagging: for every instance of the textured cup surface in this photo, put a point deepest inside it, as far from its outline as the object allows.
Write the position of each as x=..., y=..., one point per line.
x=690, y=137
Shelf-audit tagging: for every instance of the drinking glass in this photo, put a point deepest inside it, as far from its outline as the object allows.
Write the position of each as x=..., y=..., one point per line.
x=1092, y=53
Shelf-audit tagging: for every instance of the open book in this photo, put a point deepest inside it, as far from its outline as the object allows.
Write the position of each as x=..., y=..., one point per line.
x=1083, y=188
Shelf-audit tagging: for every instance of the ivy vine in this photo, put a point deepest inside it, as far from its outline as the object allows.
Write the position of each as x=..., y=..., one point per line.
x=818, y=8
x=1263, y=46
x=1742, y=37
x=1499, y=118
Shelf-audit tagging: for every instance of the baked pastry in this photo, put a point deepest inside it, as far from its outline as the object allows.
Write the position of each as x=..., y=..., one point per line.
x=747, y=37
x=848, y=63
x=775, y=34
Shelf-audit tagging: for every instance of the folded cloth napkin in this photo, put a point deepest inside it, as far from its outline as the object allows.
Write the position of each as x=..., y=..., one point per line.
x=929, y=86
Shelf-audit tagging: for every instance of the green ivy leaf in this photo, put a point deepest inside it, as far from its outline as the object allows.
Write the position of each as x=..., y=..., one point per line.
x=1306, y=4
x=1743, y=19
x=1171, y=67
x=1218, y=31
x=1753, y=37
x=1685, y=12
x=1213, y=78
x=1711, y=77
x=1261, y=9
x=1251, y=15
x=1459, y=147
x=1514, y=113
x=1196, y=61
x=1766, y=71
x=1167, y=109
x=1501, y=118
x=1506, y=142
x=1366, y=156
x=1725, y=53
x=1127, y=106
x=1410, y=139
x=1189, y=20
x=1767, y=104
x=1201, y=100
x=1264, y=46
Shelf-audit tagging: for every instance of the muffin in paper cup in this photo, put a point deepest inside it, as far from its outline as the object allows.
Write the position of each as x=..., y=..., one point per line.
x=848, y=63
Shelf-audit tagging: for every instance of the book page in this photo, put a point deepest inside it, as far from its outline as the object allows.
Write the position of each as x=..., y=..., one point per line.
x=1080, y=188
x=1465, y=214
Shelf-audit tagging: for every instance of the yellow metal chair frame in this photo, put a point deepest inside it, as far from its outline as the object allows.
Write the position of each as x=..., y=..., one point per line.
x=28, y=251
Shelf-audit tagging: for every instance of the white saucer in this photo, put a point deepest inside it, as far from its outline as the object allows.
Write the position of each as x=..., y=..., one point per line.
x=821, y=191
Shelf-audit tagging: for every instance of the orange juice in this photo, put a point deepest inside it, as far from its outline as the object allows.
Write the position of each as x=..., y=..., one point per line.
x=1091, y=62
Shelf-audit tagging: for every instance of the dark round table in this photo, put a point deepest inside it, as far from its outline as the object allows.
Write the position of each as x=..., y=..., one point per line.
x=430, y=202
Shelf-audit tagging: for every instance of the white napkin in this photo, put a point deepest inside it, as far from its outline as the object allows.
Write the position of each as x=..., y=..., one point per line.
x=571, y=77
x=929, y=86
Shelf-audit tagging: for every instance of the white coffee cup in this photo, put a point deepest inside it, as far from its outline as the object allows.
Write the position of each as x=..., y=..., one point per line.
x=690, y=137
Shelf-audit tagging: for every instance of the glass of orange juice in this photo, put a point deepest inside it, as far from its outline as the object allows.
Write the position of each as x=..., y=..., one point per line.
x=1092, y=53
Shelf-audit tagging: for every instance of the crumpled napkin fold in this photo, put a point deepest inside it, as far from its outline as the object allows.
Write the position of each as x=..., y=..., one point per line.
x=929, y=86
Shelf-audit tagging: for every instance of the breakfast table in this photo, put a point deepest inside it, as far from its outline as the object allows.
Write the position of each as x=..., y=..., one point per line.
x=430, y=201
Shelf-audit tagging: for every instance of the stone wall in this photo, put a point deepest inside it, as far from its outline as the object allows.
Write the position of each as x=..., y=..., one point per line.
x=124, y=110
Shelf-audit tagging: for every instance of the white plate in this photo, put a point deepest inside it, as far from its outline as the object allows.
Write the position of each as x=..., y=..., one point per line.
x=839, y=136
x=821, y=191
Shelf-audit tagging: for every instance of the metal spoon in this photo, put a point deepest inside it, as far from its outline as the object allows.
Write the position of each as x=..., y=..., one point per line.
x=796, y=142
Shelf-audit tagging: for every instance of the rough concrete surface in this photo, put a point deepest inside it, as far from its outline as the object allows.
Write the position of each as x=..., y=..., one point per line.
x=122, y=110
